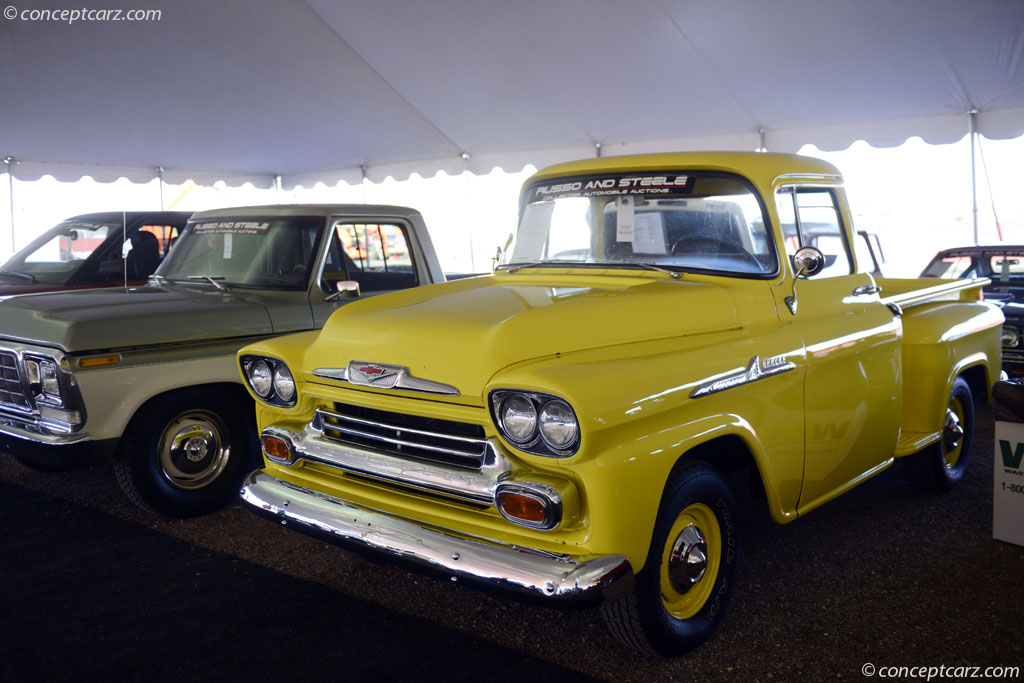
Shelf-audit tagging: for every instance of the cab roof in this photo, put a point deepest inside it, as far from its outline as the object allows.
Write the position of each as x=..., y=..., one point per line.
x=286, y=210
x=762, y=168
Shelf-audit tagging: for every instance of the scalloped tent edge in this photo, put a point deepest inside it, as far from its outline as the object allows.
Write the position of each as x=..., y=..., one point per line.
x=994, y=124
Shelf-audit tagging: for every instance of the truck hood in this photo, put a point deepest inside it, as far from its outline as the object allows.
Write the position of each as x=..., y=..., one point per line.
x=461, y=333
x=93, y=319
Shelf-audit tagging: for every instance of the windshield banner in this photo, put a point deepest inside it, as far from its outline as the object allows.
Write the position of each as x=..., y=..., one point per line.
x=232, y=227
x=619, y=184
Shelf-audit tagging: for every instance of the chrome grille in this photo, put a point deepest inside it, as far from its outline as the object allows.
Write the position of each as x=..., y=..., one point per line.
x=434, y=440
x=12, y=392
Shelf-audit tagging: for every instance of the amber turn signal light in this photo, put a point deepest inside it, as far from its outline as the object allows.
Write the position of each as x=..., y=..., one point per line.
x=520, y=506
x=96, y=361
x=276, y=448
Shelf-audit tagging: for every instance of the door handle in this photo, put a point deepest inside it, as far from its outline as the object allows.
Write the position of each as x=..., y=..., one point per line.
x=865, y=290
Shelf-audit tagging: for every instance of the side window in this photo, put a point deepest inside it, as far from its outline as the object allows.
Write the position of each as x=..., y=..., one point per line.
x=146, y=248
x=376, y=255
x=165, y=235
x=809, y=217
x=950, y=267
x=865, y=260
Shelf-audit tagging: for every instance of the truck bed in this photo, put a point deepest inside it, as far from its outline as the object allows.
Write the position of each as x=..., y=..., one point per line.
x=907, y=292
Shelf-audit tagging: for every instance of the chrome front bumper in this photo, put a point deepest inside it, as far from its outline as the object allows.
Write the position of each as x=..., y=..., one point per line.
x=552, y=578
x=28, y=430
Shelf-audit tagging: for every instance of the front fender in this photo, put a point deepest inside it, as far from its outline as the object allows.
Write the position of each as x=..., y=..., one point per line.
x=637, y=420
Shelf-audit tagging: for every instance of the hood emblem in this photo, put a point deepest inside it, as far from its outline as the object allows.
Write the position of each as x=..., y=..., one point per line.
x=384, y=376
x=753, y=372
x=374, y=374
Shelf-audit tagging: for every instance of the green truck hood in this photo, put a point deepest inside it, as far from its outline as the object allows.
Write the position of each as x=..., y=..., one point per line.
x=95, y=319
x=463, y=332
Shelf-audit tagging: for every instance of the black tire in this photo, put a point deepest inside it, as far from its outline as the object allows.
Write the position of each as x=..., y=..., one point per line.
x=657, y=619
x=185, y=453
x=941, y=466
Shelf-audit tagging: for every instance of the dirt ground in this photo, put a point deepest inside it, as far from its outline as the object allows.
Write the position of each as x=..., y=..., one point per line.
x=92, y=588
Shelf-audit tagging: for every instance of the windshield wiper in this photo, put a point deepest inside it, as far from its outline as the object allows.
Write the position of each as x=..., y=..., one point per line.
x=212, y=279
x=513, y=267
x=676, y=275
x=21, y=276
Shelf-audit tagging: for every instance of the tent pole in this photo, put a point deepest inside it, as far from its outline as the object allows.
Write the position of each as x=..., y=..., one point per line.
x=762, y=140
x=362, y=181
x=972, y=131
x=278, y=188
x=597, y=150
x=9, y=160
x=160, y=184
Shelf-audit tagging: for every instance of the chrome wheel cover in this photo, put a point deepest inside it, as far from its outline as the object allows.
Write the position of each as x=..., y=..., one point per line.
x=952, y=436
x=194, y=449
x=688, y=560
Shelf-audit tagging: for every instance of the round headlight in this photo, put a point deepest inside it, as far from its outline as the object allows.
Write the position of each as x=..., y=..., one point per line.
x=1010, y=335
x=284, y=385
x=558, y=424
x=260, y=377
x=519, y=418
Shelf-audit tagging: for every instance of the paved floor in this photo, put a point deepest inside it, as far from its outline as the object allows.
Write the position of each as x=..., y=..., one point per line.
x=91, y=588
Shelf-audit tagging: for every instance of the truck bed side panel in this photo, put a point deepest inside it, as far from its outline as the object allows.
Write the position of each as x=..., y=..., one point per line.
x=940, y=341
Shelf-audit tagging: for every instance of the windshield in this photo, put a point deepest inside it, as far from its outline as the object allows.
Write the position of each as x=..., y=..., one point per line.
x=267, y=253
x=687, y=221
x=60, y=252
x=1004, y=267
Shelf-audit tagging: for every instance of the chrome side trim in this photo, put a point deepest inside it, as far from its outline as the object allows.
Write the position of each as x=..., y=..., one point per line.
x=476, y=486
x=528, y=573
x=383, y=376
x=337, y=374
x=754, y=372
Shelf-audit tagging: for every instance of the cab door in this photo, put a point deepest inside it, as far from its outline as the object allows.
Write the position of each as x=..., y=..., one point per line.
x=852, y=385
x=377, y=255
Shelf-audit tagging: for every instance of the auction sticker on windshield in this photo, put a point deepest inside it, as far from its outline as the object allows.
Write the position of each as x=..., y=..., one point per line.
x=232, y=227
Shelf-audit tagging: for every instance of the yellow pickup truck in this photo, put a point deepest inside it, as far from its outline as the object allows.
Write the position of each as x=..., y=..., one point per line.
x=570, y=427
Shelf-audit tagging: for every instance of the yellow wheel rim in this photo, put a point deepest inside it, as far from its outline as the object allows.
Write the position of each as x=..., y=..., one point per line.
x=690, y=561
x=953, y=433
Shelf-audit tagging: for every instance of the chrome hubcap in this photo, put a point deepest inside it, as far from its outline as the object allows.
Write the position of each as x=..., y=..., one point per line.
x=194, y=449
x=952, y=432
x=689, y=559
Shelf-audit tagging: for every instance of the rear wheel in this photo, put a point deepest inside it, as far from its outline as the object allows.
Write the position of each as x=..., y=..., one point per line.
x=185, y=453
x=942, y=466
x=685, y=586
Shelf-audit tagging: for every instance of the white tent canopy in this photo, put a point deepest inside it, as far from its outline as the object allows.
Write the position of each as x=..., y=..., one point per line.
x=326, y=90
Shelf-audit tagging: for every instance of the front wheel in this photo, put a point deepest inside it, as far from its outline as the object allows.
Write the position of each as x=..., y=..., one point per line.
x=942, y=466
x=685, y=586
x=185, y=453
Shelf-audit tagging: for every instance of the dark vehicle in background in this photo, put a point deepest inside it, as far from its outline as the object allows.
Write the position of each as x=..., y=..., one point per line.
x=1004, y=265
x=91, y=251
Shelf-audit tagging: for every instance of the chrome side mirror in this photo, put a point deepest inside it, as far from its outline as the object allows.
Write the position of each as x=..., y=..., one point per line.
x=346, y=289
x=808, y=262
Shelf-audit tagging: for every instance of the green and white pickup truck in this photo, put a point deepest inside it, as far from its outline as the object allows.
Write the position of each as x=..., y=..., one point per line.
x=148, y=375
